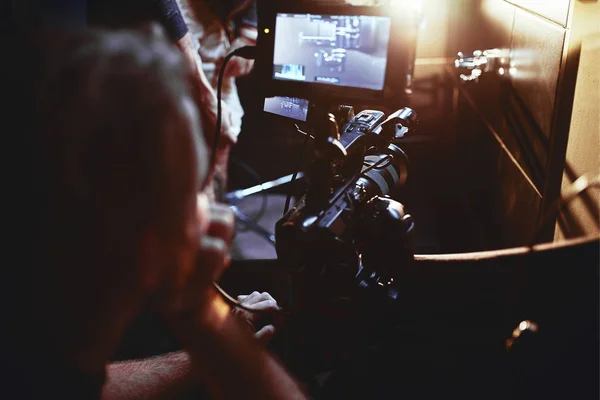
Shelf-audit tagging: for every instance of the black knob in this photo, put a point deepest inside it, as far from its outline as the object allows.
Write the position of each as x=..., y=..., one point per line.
x=522, y=336
x=407, y=117
x=344, y=114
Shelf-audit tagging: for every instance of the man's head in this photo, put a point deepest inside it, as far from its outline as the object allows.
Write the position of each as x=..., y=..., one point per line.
x=118, y=162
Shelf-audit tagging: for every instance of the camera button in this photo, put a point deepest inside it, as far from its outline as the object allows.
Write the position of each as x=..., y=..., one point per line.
x=366, y=117
x=350, y=127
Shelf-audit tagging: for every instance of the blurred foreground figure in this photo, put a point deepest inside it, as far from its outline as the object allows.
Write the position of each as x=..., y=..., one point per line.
x=31, y=17
x=113, y=138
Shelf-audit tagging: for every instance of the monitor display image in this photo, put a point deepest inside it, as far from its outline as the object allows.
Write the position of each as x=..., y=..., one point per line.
x=290, y=107
x=340, y=50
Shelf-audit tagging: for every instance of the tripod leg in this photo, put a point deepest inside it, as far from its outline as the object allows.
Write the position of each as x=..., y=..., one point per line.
x=237, y=195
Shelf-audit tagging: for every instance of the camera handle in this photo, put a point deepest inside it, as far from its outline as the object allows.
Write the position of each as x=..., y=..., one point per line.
x=328, y=150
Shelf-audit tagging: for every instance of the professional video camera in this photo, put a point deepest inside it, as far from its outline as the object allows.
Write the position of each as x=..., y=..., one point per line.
x=346, y=225
x=346, y=218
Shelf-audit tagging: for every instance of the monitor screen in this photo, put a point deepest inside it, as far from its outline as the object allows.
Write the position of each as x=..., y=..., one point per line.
x=341, y=50
x=290, y=107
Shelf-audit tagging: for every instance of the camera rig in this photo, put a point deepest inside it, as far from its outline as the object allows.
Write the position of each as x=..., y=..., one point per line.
x=331, y=53
x=346, y=220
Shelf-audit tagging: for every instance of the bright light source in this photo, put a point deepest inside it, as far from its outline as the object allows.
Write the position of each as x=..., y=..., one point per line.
x=501, y=71
x=400, y=6
x=524, y=325
x=267, y=30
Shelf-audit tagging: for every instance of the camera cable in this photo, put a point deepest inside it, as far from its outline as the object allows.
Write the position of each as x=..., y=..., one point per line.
x=249, y=53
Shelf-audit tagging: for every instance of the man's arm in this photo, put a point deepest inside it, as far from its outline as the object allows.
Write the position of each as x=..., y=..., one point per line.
x=225, y=357
x=207, y=96
x=167, y=12
x=187, y=47
x=168, y=375
x=164, y=376
x=246, y=34
x=228, y=361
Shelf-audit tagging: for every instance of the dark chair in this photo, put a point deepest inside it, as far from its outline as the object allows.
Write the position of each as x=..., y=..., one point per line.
x=513, y=323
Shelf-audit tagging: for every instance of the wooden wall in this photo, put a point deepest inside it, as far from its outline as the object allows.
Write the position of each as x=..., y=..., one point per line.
x=511, y=131
x=583, y=149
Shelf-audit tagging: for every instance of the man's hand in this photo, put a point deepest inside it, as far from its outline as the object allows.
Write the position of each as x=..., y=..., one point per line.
x=218, y=343
x=208, y=108
x=213, y=257
x=216, y=223
x=264, y=304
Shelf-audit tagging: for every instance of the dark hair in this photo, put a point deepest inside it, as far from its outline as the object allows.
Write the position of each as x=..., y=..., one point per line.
x=114, y=151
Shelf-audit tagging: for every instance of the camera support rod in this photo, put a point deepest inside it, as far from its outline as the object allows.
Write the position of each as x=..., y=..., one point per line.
x=328, y=149
x=234, y=197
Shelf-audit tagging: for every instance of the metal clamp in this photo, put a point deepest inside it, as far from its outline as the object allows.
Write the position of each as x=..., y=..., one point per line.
x=492, y=60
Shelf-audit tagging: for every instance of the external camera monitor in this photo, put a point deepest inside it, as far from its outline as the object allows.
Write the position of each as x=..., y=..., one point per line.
x=323, y=52
x=340, y=50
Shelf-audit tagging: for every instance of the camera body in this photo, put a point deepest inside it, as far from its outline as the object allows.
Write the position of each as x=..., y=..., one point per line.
x=346, y=220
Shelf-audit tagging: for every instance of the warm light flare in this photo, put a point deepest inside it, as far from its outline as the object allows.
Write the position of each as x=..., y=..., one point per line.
x=524, y=325
x=399, y=7
x=218, y=312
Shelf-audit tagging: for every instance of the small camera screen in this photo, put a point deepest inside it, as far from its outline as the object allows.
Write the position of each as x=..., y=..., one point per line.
x=342, y=50
x=290, y=107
